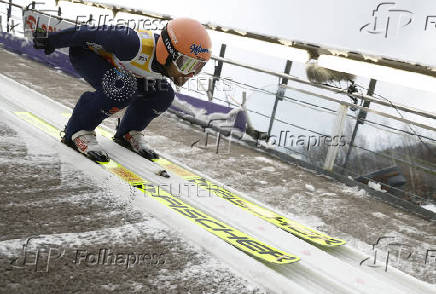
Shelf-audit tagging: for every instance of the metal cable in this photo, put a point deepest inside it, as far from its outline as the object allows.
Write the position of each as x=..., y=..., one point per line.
x=12, y=16
x=253, y=88
x=321, y=134
x=325, y=109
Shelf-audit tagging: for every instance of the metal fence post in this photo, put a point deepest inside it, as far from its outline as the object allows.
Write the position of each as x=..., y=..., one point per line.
x=360, y=120
x=279, y=95
x=8, y=16
x=338, y=130
x=216, y=74
x=12, y=27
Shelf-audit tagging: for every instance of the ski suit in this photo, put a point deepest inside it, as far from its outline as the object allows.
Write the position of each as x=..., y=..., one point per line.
x=95, y=51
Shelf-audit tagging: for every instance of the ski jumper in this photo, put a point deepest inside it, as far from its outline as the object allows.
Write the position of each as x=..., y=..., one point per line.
x=96, y=51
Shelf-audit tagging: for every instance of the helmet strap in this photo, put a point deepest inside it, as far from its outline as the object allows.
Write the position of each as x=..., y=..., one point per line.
x=157, y=67
x=172, y=52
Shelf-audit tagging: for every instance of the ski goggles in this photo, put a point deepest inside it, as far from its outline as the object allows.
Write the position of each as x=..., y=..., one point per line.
x=185, y=64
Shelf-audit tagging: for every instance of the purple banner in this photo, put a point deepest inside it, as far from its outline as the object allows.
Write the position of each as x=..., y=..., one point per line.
x=25, y=47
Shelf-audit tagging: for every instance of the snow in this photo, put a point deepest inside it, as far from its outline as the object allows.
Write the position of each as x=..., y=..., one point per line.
x=431, y=207
x=355, y=191
x=264, y=159
x=268, y=169
x=376, y=186
x=378, y=214
x=217, y=118
x=310, y=187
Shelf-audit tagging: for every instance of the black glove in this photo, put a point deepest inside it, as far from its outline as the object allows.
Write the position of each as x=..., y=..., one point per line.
x=40, y=41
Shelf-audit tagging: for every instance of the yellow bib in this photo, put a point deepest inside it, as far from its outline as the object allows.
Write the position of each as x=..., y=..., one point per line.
x=140, y=65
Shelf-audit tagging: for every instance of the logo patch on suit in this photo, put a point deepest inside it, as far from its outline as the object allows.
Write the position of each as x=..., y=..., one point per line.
x=142, y=59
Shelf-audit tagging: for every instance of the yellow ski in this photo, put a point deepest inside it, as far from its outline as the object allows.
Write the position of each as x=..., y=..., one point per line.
x=268, y=215
x=238, y=239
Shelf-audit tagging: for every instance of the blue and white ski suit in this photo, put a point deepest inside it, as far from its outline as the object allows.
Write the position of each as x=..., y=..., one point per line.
x=93, y=52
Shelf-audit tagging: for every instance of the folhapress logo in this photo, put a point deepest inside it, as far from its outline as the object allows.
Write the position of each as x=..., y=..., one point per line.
x=39, y=258
x=388, y=20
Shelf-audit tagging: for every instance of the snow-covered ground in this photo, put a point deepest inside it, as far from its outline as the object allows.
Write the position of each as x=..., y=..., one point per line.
x=311, y=199
x=430, y=207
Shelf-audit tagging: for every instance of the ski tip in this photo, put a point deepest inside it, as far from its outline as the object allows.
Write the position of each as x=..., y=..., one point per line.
x=163, y=173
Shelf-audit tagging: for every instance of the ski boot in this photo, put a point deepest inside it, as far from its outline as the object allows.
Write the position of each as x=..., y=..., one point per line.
x=85, y=142
x=134, y=140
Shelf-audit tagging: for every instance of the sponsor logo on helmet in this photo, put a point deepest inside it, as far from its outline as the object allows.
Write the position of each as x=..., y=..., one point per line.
x=172, y=35
x=197, y=49
x=170, y=48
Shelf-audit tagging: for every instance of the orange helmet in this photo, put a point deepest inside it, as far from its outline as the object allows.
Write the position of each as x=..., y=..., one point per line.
x=186, y=43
